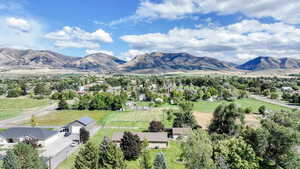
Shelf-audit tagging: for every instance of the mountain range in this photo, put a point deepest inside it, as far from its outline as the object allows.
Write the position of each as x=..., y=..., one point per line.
x=156, y=62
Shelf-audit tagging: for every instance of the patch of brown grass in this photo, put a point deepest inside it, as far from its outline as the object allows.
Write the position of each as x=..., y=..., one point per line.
x=204, y=119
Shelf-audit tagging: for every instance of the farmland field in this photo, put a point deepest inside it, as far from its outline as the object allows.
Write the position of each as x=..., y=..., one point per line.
x=67, y=116
x=12, y=107
x=136, y=118
x=209, y=107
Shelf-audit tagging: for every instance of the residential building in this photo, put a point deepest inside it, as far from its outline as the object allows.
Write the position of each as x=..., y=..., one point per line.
x=155, y=139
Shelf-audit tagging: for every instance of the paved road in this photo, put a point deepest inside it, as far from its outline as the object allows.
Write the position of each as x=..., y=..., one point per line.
x=277, y=102
x=26, y=116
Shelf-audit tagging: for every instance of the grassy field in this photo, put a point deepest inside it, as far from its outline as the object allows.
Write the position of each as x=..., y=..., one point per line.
x=12, y=107
x=209, y=107
x=67, y=116
x=136, y=118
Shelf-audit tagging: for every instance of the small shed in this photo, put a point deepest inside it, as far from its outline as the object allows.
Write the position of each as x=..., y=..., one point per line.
x=84, y=122
x=155, y=139
x=181, y=132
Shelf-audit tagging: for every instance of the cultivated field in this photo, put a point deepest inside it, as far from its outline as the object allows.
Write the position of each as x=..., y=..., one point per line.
x=66, y=116
x=209, y=107
x=12, y=107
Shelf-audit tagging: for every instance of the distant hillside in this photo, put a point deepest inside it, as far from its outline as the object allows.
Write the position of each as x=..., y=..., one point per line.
x=263, y=63
x=164, y=62
x=35, y=59
x=98, y=62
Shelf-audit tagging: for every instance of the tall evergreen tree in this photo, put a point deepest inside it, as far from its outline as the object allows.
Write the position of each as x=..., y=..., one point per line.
x=11, y=161
x=145, y=160
x=110, y=156
x=87, y=157
x=28, y=157
x=131, y=146
x=160, y=162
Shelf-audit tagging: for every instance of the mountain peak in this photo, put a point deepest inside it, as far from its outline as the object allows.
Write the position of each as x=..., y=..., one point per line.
x=267, y=62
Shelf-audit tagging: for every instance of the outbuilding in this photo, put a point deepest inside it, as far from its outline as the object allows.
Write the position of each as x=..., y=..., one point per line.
x=155, y=139
x=84, y=122
x=181, y=132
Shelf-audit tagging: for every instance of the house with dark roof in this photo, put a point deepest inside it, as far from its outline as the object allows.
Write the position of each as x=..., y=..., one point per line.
x=19, y=134
x=155, y=139
x=84, y=122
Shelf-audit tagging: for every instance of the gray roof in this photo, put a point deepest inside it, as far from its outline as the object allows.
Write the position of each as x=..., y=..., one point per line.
x=149, y=136
x=84, y=121
x=20, y=132
x=182, y=131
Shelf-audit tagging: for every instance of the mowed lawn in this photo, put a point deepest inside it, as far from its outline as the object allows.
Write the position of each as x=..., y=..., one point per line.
x=12, y=107
x=209, y=107
x=171, y=154
x=66, y=116
x=136, y=118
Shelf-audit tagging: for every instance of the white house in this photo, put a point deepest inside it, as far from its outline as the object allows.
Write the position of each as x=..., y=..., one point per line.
x=19, y=134
x=84, y=122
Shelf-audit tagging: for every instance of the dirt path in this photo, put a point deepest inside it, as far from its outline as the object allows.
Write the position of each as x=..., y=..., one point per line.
x=27, y=115
x=277, y=102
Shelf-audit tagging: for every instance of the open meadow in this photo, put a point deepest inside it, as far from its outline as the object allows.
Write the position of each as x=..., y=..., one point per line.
x=66, y=116
x=12, y=107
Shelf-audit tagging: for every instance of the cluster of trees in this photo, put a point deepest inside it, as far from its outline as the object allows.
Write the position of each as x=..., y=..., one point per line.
x=98, y=101
x=292, y=98
x=23, y=156
x=228, y=144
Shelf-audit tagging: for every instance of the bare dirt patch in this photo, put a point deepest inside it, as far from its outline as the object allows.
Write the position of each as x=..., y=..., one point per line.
x=204, y=119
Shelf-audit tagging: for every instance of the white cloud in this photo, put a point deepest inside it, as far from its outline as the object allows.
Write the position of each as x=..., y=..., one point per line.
x=282, y=10
x=92, y=51
x=132, y=53
x=18, y=23
x=243, y=39
x=21, y=33
x=74, y=37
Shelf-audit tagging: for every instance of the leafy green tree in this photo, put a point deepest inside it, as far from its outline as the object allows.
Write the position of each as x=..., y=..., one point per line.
x=63, y=105
x=110, y=156
x=197, y=151
x=14, y=92
x=11, y=161
x=84, y=135
x=227, y=120
x=28, y=157
x=262, y=110
x=41, y=89
x=87, y=157
x=156, y=126
x=235, y=154
x=274, y=95
x=185, y=117
x=131, y=146
x=275, y=144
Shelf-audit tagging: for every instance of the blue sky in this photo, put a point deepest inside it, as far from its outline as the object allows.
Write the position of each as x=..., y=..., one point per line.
x=232, y=30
